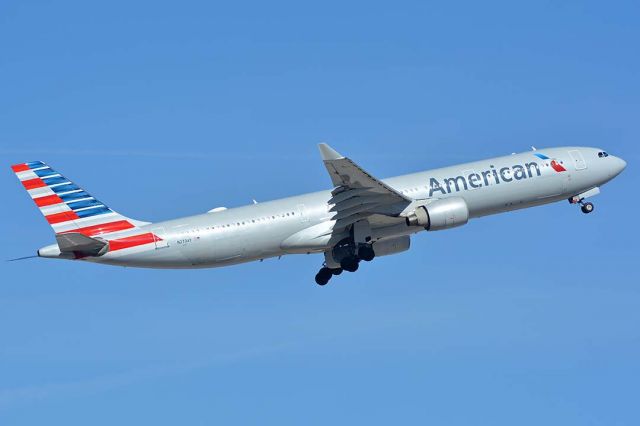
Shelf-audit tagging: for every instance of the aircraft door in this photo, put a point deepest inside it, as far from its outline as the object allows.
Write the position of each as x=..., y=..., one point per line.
x=302, y=212
x=578, y=160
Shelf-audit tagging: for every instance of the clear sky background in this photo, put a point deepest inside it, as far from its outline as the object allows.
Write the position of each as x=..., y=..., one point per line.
x=167, y=109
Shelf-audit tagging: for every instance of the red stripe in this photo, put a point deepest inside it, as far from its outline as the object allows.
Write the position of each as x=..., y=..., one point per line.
x=61, y=217
x=102, y=228
x=33, y=183
x=47, y=200
x=136, y=240
x=20, y=167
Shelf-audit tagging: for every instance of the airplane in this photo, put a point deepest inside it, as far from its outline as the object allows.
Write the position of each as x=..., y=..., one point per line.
x=361, y=218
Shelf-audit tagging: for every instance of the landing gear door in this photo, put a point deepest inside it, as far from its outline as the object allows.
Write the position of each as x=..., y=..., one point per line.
x=159, y=238
x=578, y=160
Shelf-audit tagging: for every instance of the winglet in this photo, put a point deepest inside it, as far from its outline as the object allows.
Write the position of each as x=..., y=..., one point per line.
x=329, y=153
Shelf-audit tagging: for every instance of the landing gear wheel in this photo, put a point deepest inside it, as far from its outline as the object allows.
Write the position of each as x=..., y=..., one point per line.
x=366, y=253
x=587, y=208
x=323, y=276
x=336, y=271
x=350, y=264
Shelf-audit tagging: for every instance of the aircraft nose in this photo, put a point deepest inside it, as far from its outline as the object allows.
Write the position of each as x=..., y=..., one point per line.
x=619, y=165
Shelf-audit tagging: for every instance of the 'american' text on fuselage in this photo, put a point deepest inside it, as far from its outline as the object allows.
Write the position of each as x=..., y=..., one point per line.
x=477, y=180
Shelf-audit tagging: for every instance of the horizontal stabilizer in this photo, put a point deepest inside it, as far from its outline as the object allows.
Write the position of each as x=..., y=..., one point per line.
x=79, y=244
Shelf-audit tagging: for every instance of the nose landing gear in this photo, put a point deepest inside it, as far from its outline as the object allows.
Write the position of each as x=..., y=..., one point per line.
x=586, y=208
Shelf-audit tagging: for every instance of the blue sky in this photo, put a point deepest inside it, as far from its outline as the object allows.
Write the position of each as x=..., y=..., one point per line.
x=167, y=109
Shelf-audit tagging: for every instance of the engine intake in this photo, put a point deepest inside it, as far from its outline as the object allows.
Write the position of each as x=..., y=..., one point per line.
x=440, y=214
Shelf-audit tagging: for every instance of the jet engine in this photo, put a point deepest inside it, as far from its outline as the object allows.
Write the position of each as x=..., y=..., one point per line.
x=440, y=214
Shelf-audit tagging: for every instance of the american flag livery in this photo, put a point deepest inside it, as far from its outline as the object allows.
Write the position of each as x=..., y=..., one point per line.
x=68, y=208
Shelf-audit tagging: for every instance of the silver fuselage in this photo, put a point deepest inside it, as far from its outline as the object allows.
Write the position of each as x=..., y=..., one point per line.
x=265, y=229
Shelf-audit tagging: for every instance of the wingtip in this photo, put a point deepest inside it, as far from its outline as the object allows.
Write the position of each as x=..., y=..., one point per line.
x=329, y=153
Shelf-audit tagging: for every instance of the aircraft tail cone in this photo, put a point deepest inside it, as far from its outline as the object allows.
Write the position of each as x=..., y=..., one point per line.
x=21, y=258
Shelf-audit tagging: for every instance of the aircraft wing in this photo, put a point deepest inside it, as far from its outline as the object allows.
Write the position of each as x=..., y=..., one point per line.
x=357, y=194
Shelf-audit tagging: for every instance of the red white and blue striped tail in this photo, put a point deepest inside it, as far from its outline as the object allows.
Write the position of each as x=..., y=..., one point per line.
x=66, y=206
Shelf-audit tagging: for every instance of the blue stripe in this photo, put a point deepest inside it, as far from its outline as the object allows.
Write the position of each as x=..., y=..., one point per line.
x=35, y=164
x=65, y=188
x=82, y=204
x=541, y=156
x=93, y=212
x=45, y=172
x=74, y=196
x=54, y=180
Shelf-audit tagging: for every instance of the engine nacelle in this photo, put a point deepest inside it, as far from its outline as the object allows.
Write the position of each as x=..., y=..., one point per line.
x=441, y=214
x=393, y=245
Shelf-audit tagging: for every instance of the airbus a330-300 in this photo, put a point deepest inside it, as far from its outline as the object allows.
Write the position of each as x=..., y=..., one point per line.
x=361, y=218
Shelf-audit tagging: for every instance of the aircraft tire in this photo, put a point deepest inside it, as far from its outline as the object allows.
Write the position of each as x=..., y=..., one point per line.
x=350, y=264
x=587, y=208
x=323, y=276
x=366, y=253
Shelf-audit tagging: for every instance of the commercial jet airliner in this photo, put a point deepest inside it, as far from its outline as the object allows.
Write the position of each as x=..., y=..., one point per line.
x=361, y=218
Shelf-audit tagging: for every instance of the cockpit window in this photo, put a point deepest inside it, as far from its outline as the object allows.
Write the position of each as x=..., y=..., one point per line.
x=602, y=154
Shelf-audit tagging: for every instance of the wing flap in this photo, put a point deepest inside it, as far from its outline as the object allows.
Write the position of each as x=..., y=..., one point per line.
x=341, y=194
x=357, y=194
x=357, y=201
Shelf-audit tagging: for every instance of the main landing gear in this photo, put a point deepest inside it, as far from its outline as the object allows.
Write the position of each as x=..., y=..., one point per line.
x=324, y=275
x=350, y=262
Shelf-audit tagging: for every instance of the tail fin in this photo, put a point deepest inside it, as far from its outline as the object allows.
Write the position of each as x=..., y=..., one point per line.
x=66, y=206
